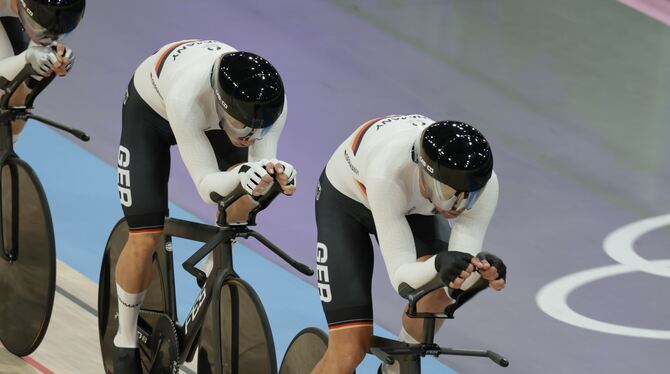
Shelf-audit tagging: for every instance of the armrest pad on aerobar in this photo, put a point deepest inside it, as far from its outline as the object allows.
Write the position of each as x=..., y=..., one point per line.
x=4, y=82
x=461, y=297
x=414, y=295
x=226, y=201
x=10, y=87
x=410, y=293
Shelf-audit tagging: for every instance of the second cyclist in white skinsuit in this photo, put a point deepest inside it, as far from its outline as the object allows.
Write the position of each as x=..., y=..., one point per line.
x=225, y=111
x=176, y=83
x=383, y=180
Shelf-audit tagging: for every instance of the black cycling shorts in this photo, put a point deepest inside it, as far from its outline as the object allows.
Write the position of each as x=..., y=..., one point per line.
x=144, y=162
x=345, y=254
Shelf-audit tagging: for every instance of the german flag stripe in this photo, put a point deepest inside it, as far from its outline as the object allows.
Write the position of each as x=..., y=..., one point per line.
x=350, y=325
x=145, y=231
x=361, y=131
x=166, y=53
x=362, y=187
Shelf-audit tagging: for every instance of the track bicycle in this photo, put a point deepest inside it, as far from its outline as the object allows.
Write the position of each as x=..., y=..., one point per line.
x=28, y=250
x=307, y=348
x=227, y=323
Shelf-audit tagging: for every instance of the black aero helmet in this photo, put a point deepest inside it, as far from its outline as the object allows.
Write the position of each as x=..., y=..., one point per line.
x=458, y=160
x=456, y=154
x=50, y=19
x=248, y=88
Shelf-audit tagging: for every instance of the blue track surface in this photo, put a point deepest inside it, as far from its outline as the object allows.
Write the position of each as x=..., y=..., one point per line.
x=83, y=199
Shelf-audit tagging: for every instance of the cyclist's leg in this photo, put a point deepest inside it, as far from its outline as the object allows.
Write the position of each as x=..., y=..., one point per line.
x=429, y=238
x=346, y=350
x=344, y=272
x=434, y=302
x=143, y=172
x=431, y=235
x=133, y=277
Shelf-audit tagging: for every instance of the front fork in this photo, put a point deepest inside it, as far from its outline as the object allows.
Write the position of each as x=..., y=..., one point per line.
x=9, y=248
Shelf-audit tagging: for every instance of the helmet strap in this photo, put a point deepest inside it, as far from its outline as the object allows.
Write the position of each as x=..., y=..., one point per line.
x=415, y=150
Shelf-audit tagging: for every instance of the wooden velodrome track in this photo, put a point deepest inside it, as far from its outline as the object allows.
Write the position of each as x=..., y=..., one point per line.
x=71, y=344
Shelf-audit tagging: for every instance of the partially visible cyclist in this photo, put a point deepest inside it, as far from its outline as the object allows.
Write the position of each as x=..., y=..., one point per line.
x=225, y=111
x=401, y=178
x=45, y=22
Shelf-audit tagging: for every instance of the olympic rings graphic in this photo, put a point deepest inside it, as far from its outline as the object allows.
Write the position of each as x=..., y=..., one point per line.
x=552, y=298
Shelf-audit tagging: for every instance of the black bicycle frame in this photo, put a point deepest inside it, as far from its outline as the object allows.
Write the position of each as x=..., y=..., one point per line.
x=221, y=248
x=218, y=241
x=7, y=116
x=10, y=254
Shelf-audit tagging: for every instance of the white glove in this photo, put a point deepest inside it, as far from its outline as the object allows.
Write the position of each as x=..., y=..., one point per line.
x=69, y=55
x=41, y=59
x=289, y=171
x=251, y=174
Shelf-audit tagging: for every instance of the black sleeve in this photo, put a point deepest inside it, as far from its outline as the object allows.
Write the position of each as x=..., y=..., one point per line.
x=17, y=36
x=226, y=153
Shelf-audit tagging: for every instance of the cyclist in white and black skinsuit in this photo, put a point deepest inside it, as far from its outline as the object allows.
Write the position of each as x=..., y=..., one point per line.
x=400, y=178
x=225, y=111
x=45, y=54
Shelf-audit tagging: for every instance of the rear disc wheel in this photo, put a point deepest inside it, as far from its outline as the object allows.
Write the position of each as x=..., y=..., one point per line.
x=304, y=352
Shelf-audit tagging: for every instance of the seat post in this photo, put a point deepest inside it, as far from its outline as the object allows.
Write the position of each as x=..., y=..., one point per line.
x=6, y=150
x=6, y=141
x=428, y=330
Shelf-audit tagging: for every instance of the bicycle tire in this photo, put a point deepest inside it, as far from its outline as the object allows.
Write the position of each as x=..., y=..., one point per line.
x=236, y=322
x=155, y=302
x=304, y=351
x=28, y=284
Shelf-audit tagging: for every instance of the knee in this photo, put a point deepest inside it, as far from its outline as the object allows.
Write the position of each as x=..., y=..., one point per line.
x=346, y=356
x=142, y=246
x=434, y=302
x=354, y=354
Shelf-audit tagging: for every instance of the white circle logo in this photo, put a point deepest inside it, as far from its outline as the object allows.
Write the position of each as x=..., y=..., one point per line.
x=552, y=298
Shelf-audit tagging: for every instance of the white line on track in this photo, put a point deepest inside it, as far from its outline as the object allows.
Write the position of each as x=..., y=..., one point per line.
x=552, y=298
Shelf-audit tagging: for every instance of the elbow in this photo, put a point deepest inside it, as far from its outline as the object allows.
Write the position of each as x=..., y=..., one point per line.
x=204, y=192
x=397, y=284
x=413, y=275
x=204, y=195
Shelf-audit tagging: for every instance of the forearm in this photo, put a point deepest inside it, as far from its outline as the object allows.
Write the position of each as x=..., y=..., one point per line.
x=11, y=66
x=223, y=183
x=415, y=274
x=187, y=120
